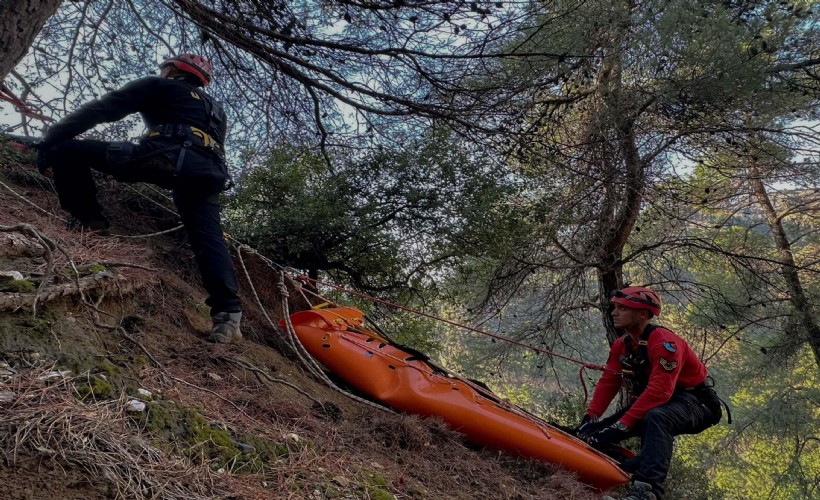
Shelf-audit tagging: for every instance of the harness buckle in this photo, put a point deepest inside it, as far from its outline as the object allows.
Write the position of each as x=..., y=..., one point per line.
x=206, y=139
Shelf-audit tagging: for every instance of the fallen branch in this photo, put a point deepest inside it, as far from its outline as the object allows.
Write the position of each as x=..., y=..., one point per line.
x=104, y=281
x=48, y=247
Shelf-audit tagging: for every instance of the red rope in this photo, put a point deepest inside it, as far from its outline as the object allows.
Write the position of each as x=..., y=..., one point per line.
x=583, y=364
x=8, y=96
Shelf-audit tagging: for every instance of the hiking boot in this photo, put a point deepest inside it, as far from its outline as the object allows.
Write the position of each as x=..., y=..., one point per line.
x=640, y=491
x=226, y=328
x=97, y=225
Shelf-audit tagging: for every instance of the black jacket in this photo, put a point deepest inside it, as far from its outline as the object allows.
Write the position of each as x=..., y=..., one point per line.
x=160, y=101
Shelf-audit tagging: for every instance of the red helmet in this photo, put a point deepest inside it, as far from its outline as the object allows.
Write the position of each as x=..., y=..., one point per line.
x=638, y=297
x=193, y=64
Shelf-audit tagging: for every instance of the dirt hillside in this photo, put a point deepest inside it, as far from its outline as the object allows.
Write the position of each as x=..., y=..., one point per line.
x=109, y=390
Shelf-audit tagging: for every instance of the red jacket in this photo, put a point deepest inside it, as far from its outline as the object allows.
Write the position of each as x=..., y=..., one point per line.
x=672, y=364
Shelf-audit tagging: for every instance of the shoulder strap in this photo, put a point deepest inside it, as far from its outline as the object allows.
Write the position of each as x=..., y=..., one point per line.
x=213, y=110
x=643, y=343
x=628, y=343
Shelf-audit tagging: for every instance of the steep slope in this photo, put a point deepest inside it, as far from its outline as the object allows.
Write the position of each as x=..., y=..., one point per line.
x=99, y=327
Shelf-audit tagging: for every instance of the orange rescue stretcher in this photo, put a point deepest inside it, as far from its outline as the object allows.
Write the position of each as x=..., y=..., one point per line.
x=405, y=381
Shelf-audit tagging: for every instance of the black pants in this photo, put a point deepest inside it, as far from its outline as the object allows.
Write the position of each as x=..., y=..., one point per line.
x=196, y=198
x=688, y=412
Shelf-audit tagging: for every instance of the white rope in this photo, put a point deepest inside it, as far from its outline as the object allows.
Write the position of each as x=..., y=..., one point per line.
x=307, y=360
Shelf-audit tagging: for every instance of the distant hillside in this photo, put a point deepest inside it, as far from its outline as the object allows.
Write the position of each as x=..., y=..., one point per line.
x=109, y=390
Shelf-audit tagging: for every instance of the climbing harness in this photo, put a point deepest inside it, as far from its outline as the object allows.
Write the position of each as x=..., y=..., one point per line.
x=635, y=363
x=197, y=136
x=188, y=136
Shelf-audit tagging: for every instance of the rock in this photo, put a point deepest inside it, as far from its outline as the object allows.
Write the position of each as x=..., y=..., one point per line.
x=219, y=426
x=135, y=406
x=7, y=396
x=244, y=448
x=214, y=376
x=31, y=357
x=145, y=393
x=6, y=276
x=55, y=375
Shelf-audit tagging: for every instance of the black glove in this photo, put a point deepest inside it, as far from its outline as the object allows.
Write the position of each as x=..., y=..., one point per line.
x=608, y=435
x=588, y=426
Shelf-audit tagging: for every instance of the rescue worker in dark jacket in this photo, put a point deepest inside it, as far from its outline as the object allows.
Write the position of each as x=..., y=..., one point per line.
x=182, y=150
x=669, y=392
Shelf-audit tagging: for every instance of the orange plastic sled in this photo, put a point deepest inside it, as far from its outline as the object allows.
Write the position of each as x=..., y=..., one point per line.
x=406, y=382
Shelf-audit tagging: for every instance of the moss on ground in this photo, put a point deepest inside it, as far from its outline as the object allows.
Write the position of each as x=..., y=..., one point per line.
x=95, y=388
x=375, y=484
x=96, y=268
x=109, y=369
x=18, y=286
x=187, y=432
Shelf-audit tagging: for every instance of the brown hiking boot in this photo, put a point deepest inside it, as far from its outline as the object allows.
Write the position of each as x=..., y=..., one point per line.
x=226, y=328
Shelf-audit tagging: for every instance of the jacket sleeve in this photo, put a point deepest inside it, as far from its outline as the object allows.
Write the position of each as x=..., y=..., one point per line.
x=111, y=107
x=666, y=360
x=610, y=384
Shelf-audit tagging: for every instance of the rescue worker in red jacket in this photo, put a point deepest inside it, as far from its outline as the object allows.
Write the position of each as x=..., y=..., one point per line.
x=182, y=150
x=670, y=392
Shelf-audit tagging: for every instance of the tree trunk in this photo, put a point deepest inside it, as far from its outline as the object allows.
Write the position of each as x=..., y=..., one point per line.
x=797, y=296
x=627, y=179
x=20, y=22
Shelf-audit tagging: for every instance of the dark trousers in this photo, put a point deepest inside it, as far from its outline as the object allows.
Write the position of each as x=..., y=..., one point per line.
x=154, y=162
x=200, y=215
x=688, y=412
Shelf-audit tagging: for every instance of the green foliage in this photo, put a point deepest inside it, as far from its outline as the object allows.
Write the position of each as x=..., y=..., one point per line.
x=420, y=333
x=385, y=220
x=771, y=449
